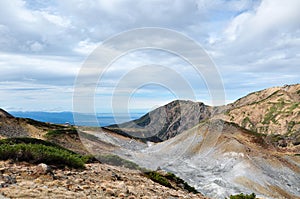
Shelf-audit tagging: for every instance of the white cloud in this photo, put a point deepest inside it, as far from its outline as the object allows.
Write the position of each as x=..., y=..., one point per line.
x=260, y=28
x=255, y=43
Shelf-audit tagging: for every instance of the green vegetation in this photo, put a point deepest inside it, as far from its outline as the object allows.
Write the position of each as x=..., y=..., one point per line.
x=275, y=138
x=28, y=140
x=291, y=125
x=177, y=180
x=117, y=161
x=168, y=179
x=159, y=178
x=257, y=137
x=246, y=121
x=39, y=151
x=272, y=113
x=227, y=112
x=265, y=99
x=243, y=196
x=292, y=107
x=62, y=131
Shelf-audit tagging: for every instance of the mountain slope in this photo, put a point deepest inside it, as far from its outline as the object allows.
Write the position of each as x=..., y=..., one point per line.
x=165, y=122
x=270, y=111
x=274, y=111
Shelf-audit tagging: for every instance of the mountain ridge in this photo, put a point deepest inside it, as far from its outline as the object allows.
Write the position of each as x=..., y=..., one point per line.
x=274, y=110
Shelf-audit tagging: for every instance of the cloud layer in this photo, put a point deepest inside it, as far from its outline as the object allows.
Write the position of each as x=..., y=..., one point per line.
x=254, y=44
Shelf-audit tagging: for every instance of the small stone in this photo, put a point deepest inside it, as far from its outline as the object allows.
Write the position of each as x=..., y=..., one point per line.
x=121, y=195
x=43, y=169
x=2, y=184
x=110, y=192
x=85, y=187
x=38, y=181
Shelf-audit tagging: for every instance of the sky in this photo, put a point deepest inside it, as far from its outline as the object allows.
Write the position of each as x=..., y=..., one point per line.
x=44, y=44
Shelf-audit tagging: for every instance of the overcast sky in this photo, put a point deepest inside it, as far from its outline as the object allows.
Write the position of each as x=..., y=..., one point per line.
x=254, y=45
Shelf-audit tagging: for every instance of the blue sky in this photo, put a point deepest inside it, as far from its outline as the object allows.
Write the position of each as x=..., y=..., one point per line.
x=43, y=44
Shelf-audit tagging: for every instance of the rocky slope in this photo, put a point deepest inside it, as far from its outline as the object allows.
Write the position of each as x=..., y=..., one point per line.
x=22, y=180
x=165, y=122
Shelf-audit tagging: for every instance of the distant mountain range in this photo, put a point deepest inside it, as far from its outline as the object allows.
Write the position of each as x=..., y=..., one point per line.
x=104, y=119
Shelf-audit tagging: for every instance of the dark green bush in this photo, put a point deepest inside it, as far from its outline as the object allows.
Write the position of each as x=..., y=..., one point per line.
x=177, y=180
x=58, y=132
x=28, y=140
x=243, y=196
x=117, y=161
x=169, y=178
x=156, y=177
x=39, y=151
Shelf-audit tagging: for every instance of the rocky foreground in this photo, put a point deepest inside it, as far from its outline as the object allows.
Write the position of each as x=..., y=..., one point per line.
x=23, y=180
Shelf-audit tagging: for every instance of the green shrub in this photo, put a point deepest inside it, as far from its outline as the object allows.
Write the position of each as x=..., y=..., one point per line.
x=58, y=132
x=156, y=177
x=186, y=186
x=243, y=196
x=28, y=140
x=39, y=151
x=117, y=161
x=169, y=178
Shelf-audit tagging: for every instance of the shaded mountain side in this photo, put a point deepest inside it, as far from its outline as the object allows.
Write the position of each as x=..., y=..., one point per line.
x=165, y=122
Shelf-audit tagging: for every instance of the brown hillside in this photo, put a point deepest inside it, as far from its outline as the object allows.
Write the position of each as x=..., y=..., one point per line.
x=270, y=111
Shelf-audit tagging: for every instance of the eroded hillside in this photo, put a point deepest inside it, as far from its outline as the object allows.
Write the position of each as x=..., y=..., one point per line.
x=271, y=111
